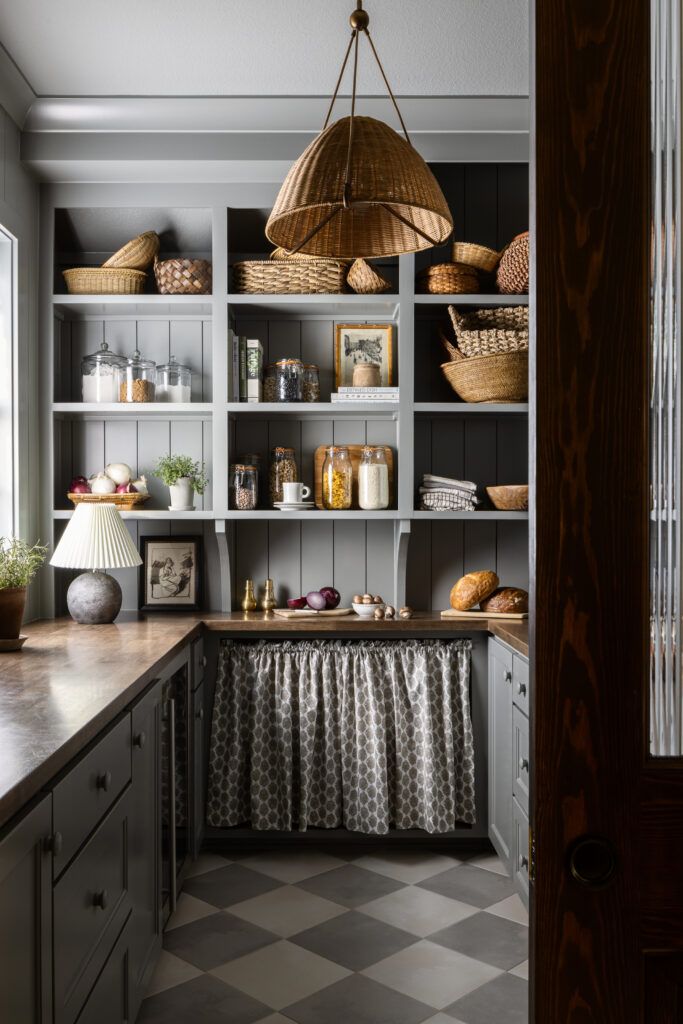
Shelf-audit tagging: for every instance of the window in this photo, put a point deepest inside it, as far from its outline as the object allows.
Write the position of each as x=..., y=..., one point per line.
x=8, y=385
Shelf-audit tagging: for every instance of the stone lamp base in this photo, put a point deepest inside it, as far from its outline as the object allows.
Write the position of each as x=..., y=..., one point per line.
x=94, y=598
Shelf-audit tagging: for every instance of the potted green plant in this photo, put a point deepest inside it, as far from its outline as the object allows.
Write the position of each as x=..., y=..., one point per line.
x=183, y=476
x=19, y=562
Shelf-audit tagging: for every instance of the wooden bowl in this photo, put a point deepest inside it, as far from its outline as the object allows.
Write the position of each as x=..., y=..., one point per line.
x=510, y=498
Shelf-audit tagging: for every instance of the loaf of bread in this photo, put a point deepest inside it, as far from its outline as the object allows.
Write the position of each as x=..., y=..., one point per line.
x=506, y=599
x=472, y=589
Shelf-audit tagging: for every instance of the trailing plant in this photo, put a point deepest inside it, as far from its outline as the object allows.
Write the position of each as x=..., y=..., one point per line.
x=19, y=561
x=171, y=468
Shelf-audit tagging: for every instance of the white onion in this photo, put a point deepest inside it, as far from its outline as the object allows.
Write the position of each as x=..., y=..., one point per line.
x=119, y=472
x=102, y=484
x=140, y=485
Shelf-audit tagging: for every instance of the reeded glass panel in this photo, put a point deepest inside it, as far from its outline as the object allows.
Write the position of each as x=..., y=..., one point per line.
x=666, y=703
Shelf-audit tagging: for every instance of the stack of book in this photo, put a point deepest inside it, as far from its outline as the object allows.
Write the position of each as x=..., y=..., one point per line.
x=365, y=395
x=444, y=494
x=245, y=369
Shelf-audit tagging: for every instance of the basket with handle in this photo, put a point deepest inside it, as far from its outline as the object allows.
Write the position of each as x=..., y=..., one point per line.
x=484, y=332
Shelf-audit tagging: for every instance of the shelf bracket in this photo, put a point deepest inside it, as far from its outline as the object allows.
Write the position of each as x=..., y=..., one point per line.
x=222, y=540
x=401, y=540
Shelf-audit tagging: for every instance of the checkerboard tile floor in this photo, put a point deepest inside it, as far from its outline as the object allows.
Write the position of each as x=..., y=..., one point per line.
x=318, y=937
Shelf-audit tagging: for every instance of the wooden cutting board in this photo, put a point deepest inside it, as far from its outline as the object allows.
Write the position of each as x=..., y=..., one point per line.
x=354, y=454
x=451, y=613
x=309, y=613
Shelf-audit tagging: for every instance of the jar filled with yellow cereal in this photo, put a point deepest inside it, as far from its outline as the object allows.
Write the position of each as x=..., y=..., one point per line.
x=337, y=478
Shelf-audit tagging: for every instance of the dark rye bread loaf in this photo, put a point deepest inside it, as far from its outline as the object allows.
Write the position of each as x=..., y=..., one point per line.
x=506, y=599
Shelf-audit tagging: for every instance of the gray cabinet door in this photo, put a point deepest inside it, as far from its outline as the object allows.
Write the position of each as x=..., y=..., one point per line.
x=26, y=919
x=199, y=722
x=500, y=751
x=145, y=927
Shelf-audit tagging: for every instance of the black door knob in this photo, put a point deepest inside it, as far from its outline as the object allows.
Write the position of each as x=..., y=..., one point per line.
x=592, y=861
x=104, y=781
x=140, y=739
x=101, y=899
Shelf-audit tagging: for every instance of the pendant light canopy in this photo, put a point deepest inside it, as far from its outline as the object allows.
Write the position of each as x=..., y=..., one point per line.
x=359, y=189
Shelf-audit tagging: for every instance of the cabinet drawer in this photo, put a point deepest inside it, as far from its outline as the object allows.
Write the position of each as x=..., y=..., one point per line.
x=198, y=663
x=85, y=795
x=520, y=759
x=520, y=866
x=109, y=1002
x=520, y=683
x=90, y=905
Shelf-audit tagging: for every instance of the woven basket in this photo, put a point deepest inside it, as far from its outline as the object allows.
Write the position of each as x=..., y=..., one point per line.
x=122, y=502
x=104, y=281
x=448, y=279
x=137, y=254
x=486, y=331
x=183, y=276
x=478, y=256
x=509, y=498
x=290, y=277
x=366, y=280
x=513, y=269
x=499, y=378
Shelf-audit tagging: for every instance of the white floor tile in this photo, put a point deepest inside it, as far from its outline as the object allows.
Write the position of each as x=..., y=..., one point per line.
x=287, y=911
x=170, y=971
x=512, y=909
x=206, y=862
x=418, y=911
x=189, y=909
x=521, y=970
x=409, y=866
x=434, y=975
x=292, y=865
x=489, y=862
x=280, y=974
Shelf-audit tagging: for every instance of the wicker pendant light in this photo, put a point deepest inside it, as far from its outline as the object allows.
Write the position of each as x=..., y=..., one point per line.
x=359, y=189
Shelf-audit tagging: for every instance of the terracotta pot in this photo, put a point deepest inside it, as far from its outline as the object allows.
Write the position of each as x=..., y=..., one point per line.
x=12, y=604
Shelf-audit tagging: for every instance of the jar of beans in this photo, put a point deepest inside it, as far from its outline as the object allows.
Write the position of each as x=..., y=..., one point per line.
x=254, y=459
x=140, y=382
x=269, y=387
x=243, y=487
x=311, y=383
x=337, y=478
x=283, y=470
x=289, y=380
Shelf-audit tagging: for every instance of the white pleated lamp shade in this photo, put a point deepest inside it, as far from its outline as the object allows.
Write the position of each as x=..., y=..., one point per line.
x=95, y=538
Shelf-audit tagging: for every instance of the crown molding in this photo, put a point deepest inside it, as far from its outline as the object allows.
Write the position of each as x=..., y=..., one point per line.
x=16, y=94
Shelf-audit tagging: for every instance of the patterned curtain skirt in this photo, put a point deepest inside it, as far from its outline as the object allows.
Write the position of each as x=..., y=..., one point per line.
x=365, y=735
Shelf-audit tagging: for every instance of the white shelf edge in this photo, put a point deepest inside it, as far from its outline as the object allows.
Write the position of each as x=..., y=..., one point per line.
x=318, y=409
x=465, y=408
x=64, y=299
x=133, y=410
x=351, y=514
x=472, y=300
x=148, y=514
x=471, y=516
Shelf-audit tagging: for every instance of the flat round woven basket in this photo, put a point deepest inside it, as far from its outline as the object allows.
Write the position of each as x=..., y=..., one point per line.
x=290, y=277
x=138, y=254
x=484, y=332
x=513, y=270
x=503, y=377
x=104, y=281
x=478, y=256
x=447, y=279
x=366, y=280
x=183, y=276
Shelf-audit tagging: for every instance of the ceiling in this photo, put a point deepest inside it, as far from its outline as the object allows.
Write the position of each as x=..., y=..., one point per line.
x=84, y=48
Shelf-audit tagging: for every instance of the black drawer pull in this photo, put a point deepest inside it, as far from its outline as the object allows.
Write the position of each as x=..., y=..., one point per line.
x=521, y=689
x=104, y=781
x=200, y=714
x=54, y=843
x=523, y=764
x=204, y=662
x=101, y=899
x=508, y=677
x=140, y=739
x=524, y=863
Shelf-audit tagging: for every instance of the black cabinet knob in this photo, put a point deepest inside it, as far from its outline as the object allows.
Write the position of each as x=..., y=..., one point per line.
x=104, y=781
x=140, y=739
x=521, y=689
x=101, y=899
x=200, y=714
x=508, y=677
x=592, y=862
x=524, y=863
x=523, y=764
x=54, y=843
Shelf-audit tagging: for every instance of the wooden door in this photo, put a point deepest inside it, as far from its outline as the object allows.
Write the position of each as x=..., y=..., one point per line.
x=607, y=815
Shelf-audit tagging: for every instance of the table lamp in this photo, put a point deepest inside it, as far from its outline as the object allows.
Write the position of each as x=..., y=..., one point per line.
x=96, y=539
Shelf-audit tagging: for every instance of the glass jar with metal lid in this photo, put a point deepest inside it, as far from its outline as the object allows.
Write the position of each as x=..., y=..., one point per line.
x=254, y=459
x=269, y=393
x=289, y=380
x=140, y=381
x=373, y=478
x=101, y=375
x=243, y=487
x=337, y=478
x=173, y=382
x=283, y=470
x=311, y=388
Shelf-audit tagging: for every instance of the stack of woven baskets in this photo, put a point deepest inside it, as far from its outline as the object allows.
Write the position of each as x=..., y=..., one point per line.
x=293, y=274
x=490, y=362
x=124, y=273
x=476, y=269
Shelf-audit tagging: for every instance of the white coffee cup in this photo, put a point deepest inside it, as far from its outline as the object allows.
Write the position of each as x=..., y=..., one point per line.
x=294, y=493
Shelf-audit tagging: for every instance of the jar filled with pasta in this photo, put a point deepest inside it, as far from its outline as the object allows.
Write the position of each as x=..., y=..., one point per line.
x=373, y=478
x=337, y=478
x=283, y=470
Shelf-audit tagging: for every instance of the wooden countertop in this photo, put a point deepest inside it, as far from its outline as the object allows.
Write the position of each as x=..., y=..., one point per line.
x=69, y=681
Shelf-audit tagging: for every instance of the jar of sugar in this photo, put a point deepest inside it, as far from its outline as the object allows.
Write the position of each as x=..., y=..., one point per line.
x=373, y=478
x=174, y=382
x=101, y=375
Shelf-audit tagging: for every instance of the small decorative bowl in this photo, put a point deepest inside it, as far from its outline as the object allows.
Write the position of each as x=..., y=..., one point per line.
x=510, y=498
x=367, y=611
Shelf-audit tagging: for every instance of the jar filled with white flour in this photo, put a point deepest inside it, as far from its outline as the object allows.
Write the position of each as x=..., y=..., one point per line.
x=373, y=479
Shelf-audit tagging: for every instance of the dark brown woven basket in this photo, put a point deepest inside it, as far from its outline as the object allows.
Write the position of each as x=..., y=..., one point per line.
x=513, y=270
x=447, y=279
x=183, y=276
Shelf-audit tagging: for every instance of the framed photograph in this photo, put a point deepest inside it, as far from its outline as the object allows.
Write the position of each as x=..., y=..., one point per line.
x=363, y=343
x=170, y=574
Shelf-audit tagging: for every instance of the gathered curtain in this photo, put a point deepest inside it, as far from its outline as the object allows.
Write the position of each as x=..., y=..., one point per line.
x=365, y=735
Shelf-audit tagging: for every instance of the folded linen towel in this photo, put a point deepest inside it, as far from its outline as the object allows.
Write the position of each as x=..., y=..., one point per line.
x=446, y=482
x=444, y=500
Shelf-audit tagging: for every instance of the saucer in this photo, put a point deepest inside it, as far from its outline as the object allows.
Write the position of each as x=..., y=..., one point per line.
x=294, y=506
x=181, y=508
x=13, y=645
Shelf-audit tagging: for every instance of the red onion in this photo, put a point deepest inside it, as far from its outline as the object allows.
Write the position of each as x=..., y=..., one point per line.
x=80, y=487
x=316, y=601
x=332, y=596
x=125, y=489
x=296, y=603
x=77, y=480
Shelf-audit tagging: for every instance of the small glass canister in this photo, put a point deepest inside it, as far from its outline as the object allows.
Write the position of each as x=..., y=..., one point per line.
x=337, y=478
x=269, y=393
x=283, y=470
x=289, y=380
x=140, y=382
x=373, y=479
x=254, y=459
x=174, y=382
x=101, y=375
x=243, y=487
x=311, y=383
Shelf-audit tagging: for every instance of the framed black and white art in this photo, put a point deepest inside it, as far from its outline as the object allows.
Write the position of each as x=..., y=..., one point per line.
x=170, y=575
x=363, y=343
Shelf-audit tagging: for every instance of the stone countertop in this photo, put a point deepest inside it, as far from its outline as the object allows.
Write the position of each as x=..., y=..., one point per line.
x=70, y=681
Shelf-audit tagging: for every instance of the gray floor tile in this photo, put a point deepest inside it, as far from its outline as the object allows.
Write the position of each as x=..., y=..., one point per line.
x=485, y=937
x=503, y=999
x=231, y=884
x=204, y=999
x=361, y=1001
x=354, y=940
x=471, y=885
x=216, y=940
x=351, y=886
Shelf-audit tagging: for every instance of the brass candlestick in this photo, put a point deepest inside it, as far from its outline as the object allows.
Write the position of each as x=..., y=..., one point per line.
x=268, y=599
x=249, y=600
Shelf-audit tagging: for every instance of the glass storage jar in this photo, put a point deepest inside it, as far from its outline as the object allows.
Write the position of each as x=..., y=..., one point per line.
x=140, y=381
x=337, y=478
x=289, y=380
x=311, y=388
x=283, y=470
x=174, y=382
x=373, y=478
x=254, y=459
x=269, y=393
x=243, y=487
x=101, y=375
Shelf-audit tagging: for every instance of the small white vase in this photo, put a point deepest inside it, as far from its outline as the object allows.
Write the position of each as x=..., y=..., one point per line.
x=182, y=495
